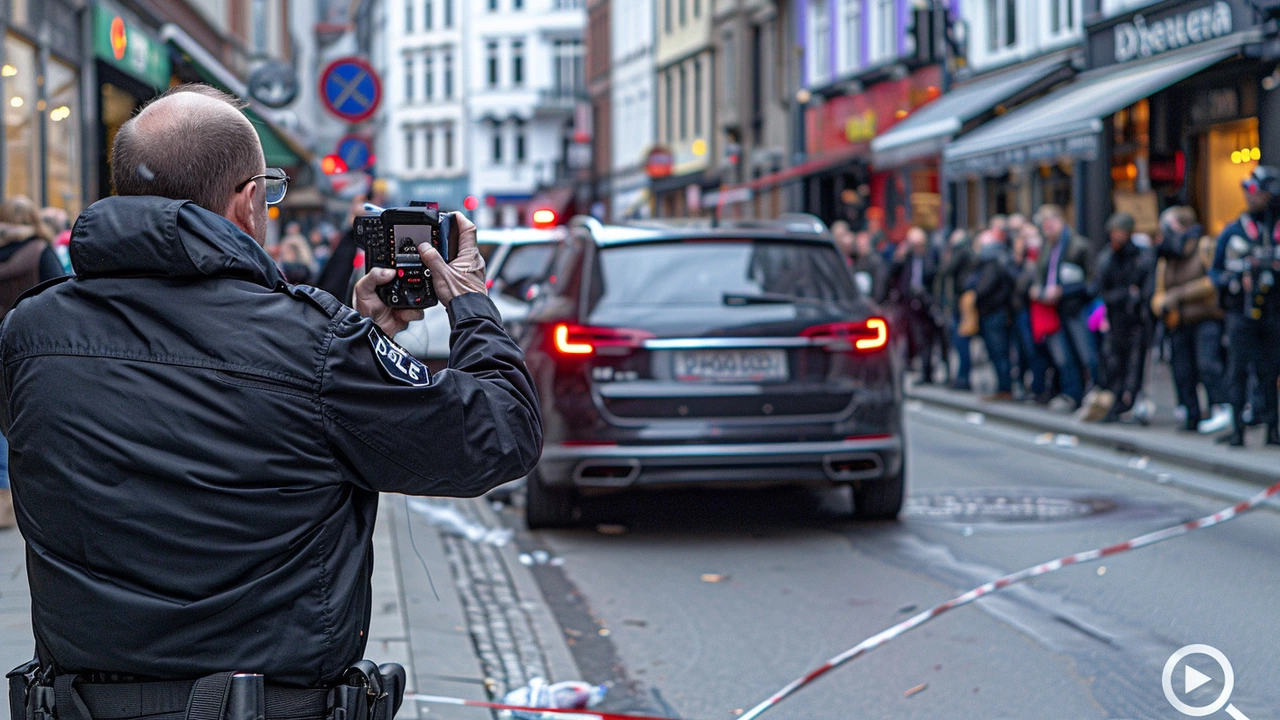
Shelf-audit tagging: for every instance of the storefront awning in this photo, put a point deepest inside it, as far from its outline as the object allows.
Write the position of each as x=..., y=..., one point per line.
x=928, y=129
x=279, y=145
x=1066, y=122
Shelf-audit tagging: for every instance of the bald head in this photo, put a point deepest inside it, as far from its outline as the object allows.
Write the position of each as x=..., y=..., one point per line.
x=191, y=143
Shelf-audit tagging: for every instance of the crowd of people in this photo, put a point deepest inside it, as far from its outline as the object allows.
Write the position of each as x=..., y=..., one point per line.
x=1071, y=325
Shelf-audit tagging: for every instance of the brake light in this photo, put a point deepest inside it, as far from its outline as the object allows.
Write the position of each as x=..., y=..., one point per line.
x=867, y=336
x=572, y=339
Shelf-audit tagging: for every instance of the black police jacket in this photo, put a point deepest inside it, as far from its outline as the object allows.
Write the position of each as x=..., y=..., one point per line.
x=1243, y=239
x=197, y=448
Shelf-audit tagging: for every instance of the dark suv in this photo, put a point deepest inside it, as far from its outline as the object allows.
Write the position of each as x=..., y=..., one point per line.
x=735, y=355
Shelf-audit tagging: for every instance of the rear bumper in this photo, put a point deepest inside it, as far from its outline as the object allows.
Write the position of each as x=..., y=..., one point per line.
x=621, y=466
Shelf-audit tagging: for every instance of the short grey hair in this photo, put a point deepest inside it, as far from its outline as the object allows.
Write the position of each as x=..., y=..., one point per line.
x=193, y=156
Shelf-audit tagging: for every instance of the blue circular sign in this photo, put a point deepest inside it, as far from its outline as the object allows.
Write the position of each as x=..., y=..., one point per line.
x=355, y=152
x=350, y=89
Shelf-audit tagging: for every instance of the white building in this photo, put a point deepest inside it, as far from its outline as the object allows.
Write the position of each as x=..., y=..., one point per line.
x=524, y=73
x=423, y=144
x=633, y=79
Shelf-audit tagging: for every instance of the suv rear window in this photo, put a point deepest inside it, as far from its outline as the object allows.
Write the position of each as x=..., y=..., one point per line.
x=703, y=272
x=526, y=262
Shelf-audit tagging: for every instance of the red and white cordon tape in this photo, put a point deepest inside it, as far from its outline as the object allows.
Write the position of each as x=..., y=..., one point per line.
x=596, y=715
x=879, y=639
x=1001, y=583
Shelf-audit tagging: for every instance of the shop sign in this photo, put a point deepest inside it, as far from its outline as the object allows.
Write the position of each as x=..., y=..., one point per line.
x=851, y=121
x=660, y=163
x=128, y=47
x=1077, y=147
x=1143, y=38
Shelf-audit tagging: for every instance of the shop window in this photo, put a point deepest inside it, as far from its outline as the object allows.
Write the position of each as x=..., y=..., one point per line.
x=1229, y=155
x=885, y=34
x=21, y=119
x=63, y=189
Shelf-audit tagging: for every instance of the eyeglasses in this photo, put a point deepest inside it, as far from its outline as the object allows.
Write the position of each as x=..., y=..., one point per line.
x=277, y=183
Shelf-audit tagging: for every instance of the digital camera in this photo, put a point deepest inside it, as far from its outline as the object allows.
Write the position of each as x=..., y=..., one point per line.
x=391, y=238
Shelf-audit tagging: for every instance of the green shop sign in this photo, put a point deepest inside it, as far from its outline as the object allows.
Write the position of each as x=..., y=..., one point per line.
x=128, y=47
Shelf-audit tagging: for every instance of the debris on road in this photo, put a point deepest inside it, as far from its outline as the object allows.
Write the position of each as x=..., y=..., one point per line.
x=1066, y=441
x=907, y=608
x=975, y=418
x=1102, y=570
x=1139, y=463
x=633, y=622
x=713, y=577
x=569, y=695
x=448, y=519
x=917, y=689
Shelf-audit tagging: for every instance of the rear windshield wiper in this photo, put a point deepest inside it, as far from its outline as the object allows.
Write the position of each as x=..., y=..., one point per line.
x=766, y=299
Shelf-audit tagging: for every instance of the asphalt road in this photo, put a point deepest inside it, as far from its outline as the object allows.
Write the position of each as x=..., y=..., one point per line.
x=799, y=582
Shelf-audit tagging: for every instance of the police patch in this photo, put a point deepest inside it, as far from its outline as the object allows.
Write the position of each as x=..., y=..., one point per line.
x=396, y=362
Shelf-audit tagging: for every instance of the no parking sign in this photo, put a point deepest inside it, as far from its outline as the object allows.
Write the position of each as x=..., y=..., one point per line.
x=351, y=89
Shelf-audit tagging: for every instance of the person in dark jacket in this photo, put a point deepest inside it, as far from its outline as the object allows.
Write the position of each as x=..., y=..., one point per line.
x=1246, y=266
x=27, y=258
x=1126, y=276
x=222, y=436
x=1031, y=357
x=1186, y=301
x=1064, y=272
x=992, y=281
x=911, y=278
x=953, y=273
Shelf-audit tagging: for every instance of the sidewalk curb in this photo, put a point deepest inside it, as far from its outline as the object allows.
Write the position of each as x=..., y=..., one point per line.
x=1100, y=436
x=555, y=647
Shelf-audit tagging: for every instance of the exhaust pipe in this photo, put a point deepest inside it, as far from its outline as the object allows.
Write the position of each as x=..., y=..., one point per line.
x=853, y=466
x=607, y=473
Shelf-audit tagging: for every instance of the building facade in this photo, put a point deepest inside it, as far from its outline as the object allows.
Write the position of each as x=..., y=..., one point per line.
x=686, y=126
x=524, y=70
x=425, y=127
x=595, y=193
x=753, y=106
x=632, y=86
x=73, y=72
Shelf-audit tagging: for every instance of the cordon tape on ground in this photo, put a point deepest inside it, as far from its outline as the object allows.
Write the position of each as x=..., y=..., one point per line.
x=915, y=621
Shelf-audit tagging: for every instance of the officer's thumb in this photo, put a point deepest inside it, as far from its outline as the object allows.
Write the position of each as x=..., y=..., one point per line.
x=433, y=260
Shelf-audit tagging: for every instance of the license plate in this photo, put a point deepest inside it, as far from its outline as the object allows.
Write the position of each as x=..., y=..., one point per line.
x=731, y=365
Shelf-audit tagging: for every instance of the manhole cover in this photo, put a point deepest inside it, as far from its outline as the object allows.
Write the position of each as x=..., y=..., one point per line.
x=1003, y=506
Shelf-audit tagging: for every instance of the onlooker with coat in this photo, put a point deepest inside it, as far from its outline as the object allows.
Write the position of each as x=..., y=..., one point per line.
x=866, y=265
x=27, y=259
x=914, y=268
x=953, y=272
x=1125, y=275
x=1186, y=301
x=992, y=282
x=1031, y=358
x=1063, y=273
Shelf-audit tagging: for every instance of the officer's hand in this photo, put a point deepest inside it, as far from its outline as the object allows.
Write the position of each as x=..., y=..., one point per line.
x=367, y=303
x=466, y=273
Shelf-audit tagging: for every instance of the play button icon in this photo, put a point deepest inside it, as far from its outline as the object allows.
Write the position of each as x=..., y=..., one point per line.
x=1193, y=680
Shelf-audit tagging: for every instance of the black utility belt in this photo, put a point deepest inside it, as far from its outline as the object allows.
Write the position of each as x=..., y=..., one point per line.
x=367, y=692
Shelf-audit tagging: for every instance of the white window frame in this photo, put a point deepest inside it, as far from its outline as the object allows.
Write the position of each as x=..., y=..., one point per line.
x=1066, y=30
x=850, y=42
x=982, y=48
x=884, y=31
x=818, y=49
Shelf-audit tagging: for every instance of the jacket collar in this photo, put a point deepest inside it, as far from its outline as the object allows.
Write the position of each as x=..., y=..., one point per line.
x=154, y=236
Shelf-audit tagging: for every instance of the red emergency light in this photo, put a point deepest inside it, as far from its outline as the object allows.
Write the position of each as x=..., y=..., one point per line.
x=333, y=165
x=544, y=218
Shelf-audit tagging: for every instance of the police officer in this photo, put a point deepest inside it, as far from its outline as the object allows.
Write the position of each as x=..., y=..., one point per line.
x=198, y=447
x=1246, y=266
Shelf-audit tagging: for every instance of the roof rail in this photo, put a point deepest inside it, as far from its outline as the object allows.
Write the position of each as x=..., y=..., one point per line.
x=591, y=224
x=790, y=222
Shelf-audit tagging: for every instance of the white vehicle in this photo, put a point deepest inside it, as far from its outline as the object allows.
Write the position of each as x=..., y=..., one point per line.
x=515, y=259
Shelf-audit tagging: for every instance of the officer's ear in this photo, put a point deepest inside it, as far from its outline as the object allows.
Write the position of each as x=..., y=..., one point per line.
x=241, y=208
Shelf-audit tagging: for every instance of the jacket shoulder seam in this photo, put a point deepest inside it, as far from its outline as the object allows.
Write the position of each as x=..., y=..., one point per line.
x=174, y=360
